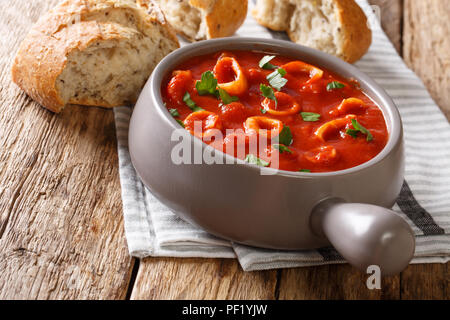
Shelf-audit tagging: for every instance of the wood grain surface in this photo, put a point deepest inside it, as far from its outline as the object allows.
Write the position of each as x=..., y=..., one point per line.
x=61, y=226
x=426, y=46
x=61, y=229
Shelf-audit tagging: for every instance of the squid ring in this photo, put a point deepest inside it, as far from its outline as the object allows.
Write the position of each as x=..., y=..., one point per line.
x=283, y=99
x=333, y=126
x=264, y=126
x=203, y=123
x=240, y=84
x=347, y=106
x=299, y=66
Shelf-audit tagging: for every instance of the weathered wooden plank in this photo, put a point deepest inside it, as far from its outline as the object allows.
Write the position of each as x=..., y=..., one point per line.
x=171, y=278
x=426, y=46
x=61, y=228
x=333, y=282
x=391, y=16
x=425, y=281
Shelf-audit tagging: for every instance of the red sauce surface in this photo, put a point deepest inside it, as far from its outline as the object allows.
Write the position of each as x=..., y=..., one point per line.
x=312, y=149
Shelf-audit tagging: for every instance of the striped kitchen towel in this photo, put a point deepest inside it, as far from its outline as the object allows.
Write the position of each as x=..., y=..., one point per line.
x=153, y=230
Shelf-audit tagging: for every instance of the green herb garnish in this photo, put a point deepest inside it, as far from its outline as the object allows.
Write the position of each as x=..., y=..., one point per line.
x=263, y=111
x=207, y=85
x=250, y=158
x=276, y=79
x=304, y=170
x=190, y=103
x=174, y=113
x=310, y=116
x=281, y=148
x=267, y=92
x=226, y=98
x=265, y=63
x=285, y=136
x=180, y=122
x=335, y=85
x=359, y=128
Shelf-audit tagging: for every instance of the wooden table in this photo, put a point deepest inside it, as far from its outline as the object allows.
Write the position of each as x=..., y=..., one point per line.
x=61, y=225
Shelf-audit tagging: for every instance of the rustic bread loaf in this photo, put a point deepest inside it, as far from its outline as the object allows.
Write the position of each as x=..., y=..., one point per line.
x=92, y=52
x=204, y=19
x=338, y=27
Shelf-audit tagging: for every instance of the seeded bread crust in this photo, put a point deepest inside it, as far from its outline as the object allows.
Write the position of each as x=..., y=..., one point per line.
x=77, y=27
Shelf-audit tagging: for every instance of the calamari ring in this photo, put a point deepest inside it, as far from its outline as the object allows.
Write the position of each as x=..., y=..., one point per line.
x=264, y=126
x=350, y=105
x=299, y=66
x=283, y=100
x=236, y=87
x=178, y=86
x=209, y=124
x=333, y=126
x=322, y=155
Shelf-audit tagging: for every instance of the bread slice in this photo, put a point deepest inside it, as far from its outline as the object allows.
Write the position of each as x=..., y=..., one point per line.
x=92, y=52
x=338, y=27
x=204, y=19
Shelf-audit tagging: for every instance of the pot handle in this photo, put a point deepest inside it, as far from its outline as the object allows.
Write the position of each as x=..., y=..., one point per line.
x=365, y=234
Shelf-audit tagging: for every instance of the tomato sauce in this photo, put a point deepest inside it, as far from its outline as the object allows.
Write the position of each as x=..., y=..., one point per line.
x=316, y=121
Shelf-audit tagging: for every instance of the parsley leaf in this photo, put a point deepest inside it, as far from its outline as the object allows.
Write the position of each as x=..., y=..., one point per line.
x=263, y=111
x=276, y=79
x=335, y=85
x=180, y=122
x=281, y=148
x=267, y=92
x=304, y=170
x=207, y=85
x=174, y=113
x=250, y=158
x=285, y=136
x=359, y=128
x=190, y=103
x=226, y=98
x=264, y=63
x=310, y=116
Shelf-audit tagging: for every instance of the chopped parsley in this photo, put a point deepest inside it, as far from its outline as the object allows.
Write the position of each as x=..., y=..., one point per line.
x=310, y=116
x=190, y=103
x=174, y=113
x=285, y=136
x=267, y=92
x=252, y=159
x=276, y=79
x=281, y=148
x=207, y=85
x=304, y=170
x=335, y=85
x=359, y=128
x=264, y=63
x=263, y=111
x=226, y=98
x=180, y=122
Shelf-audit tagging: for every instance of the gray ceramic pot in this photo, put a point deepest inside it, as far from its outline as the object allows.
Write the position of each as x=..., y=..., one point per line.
x=285, y=210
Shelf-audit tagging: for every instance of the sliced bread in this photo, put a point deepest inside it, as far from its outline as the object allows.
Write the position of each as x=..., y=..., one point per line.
x=338, y=27
x=204, y=19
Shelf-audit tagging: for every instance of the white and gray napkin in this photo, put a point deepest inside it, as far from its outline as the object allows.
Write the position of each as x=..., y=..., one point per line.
x=154, y=230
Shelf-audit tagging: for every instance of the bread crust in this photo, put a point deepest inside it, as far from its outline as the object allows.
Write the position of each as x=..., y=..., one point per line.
x=223, y=17
x=356, y=35
x=44, y=52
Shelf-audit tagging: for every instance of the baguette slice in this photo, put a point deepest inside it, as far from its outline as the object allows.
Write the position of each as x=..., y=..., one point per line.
x=338, y=27
x=92, y=52
x=204, y=19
